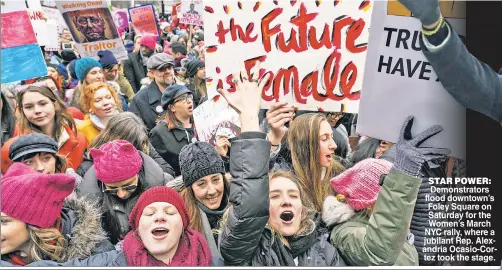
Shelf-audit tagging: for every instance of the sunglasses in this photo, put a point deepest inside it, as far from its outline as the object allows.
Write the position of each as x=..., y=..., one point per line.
x=114, y=191
x=180, y=69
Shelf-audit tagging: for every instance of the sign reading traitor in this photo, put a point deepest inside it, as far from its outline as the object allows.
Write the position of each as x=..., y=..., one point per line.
x=92, y=27
x=315, y=51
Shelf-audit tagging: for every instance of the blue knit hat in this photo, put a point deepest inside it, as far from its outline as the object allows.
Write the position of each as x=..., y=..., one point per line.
x=106, y=58
x=84, y=65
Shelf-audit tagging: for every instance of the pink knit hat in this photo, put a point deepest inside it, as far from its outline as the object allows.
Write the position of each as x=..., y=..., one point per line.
x=32, y=197
x=116, y=161
x=361, y=184
x=149, y=41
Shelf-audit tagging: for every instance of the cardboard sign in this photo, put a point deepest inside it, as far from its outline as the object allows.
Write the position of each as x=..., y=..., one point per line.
x=92, y=28
x=21, y=56
x=399, y=81
x=215, y=118
x=143, y=19
x=192, y=12
x=315, y=51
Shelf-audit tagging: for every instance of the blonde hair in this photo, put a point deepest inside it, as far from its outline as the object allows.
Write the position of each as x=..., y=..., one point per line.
x=87, y=98
x=363, y=212
x=308, y=212
x=46, y=244
x=303, y=142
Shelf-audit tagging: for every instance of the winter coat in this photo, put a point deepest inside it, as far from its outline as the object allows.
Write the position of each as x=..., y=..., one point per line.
x=168, y=143
x=246, y=240
x=472, y=83
x=114, y=208
x=89, y=129
x=81, y=227
x=146, y=104
x=71, y=145
x=134, y=70
x=382, y=239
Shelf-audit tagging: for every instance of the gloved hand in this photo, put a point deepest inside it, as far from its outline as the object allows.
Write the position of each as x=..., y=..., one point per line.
x=409, y=156
x=427, y=11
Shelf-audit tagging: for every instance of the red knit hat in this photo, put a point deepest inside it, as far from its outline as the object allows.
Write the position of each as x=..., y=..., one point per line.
x=158, y=194
x=116, y=161
x=149, y=41
x=361, y=184
x=32, y=197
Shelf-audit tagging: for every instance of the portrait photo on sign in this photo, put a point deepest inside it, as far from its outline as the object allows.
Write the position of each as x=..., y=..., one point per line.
x=194, y=8
x=91, y=25
x=120, y=19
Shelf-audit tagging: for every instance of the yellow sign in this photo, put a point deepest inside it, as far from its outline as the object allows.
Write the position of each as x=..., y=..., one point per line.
x=449, y=9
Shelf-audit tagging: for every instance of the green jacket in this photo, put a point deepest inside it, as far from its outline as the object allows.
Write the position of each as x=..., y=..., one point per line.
x=125, y=87
x=382, y=238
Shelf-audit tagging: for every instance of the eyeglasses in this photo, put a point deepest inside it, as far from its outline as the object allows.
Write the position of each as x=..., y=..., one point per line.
x=185, y=98
x=114, y=191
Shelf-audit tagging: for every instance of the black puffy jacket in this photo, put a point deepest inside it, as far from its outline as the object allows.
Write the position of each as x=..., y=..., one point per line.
x=246, y=239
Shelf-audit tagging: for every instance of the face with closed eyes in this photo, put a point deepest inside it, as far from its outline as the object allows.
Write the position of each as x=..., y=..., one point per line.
x=160, y=228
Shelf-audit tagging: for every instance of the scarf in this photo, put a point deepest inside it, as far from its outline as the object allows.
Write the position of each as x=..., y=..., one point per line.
x=297, y=246
x=192, y=251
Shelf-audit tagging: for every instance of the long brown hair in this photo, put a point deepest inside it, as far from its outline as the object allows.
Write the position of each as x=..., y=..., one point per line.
x=87, y=96
x=192, y=208
x=46, y=243
x=200, y=85
x=303, y=142
x=124, y=126
x=61, y=117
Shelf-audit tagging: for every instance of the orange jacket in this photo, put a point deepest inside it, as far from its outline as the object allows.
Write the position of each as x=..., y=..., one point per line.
x=73, y=150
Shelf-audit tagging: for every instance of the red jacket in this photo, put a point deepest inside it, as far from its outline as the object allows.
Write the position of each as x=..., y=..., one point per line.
x=73, y=150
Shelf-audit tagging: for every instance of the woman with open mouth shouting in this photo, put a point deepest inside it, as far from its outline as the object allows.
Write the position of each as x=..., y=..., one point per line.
x=375, y=201
x=159, y=237
x=270, y=222
x=101, y=101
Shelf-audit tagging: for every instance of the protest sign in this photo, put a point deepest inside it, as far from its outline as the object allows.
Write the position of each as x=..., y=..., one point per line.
x=315, y=51
x=120, y=19
x=143, y=19
x=21, y=56
x=216, y=118
x=192, y=12
x=92, y=28
x=45, y=29
x=399, y=81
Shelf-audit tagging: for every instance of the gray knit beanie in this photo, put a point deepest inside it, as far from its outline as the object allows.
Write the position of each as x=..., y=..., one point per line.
x=199, y=159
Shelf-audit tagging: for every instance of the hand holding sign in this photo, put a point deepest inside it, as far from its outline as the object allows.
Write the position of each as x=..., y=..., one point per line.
x=247, y=98
x=222, y=145
x=279, y=114
x=427, y=11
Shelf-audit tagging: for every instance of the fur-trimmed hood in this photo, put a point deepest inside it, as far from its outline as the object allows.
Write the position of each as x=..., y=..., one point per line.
x=81, y=227
x=335, y=212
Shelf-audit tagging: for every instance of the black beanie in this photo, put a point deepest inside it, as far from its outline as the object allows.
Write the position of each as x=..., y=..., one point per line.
x=68, y=56
x=193, y=66
x=199, y=159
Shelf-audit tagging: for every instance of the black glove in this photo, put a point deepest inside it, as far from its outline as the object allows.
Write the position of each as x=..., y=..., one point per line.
x=427, y=11
x=409, y=156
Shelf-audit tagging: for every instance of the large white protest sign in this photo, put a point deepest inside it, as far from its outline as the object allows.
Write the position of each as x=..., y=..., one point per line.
x=92, y=28
x=192, y=12
x=399, y=81
x=215, y=117
x=315, y=51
